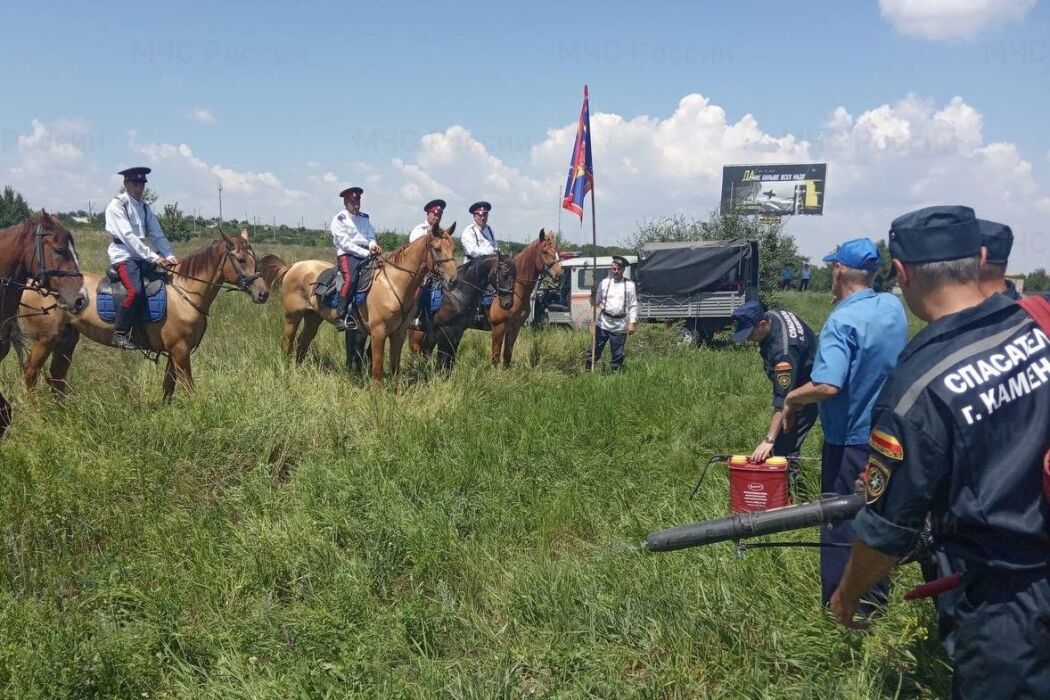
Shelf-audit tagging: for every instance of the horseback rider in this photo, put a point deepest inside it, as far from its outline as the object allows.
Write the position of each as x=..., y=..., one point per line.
x=131, y=221
x=433, y=209
x=354, y=239
x=478, y=238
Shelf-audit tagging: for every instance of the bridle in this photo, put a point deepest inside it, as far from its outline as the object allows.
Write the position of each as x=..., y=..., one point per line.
x=243, y=283
x=40, y=274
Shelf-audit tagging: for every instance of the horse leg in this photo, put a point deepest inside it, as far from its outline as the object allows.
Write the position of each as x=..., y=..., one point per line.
x=178, y=369
x=5, y=415
x=38, y=354
x=355, y=348
x=447, y=346
x=311, y=323
x=61, y=359
x=508, y=342
x=417, y=341
x=378, y=342
x=397, y=341
x=291, y=325
x=497, y=341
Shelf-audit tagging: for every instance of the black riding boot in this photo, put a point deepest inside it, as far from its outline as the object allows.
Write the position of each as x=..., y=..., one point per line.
x=122, y=329
x=340, y=313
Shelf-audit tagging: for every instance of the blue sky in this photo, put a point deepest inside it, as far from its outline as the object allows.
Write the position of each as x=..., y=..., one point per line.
x=286, y=103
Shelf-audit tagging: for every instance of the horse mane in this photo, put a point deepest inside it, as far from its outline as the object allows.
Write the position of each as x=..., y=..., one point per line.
x=49, y=222
x=525, y=261
x=272, y=269
x=206, y=258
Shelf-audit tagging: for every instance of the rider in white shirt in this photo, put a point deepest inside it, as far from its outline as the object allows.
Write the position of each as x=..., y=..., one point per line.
x=354, y=239
x=478, y=239
x=131, y=222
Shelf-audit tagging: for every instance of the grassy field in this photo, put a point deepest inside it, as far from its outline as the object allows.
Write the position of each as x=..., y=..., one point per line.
x=294, y=532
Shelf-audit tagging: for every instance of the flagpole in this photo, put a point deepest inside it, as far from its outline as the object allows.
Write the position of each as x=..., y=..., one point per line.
x=594, y=248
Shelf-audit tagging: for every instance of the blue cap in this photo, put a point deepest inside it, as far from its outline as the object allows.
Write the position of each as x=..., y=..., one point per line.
x=998, y=239
x=935, y=234
x=747, y=316
x=859, y=254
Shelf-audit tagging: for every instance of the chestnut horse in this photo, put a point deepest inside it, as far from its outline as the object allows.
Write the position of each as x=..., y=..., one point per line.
x=539, y=259
x=36, y=254
x=192, y=287
x=460, y=306
x=390, y=305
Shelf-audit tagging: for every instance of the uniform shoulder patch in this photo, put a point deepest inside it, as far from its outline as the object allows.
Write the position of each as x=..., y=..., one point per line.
x=782, y=367
x=341, y=217
x=876, y=478
x=886, y=445
x=782, y=374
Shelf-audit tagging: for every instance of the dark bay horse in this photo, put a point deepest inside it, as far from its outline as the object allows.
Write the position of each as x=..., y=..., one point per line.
x=387, y=312
x=539, y=259
x=36, y=254
x=193, y=286
x=460, y=306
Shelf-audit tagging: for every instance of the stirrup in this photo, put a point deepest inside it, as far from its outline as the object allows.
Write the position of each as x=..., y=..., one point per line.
x=124, y=341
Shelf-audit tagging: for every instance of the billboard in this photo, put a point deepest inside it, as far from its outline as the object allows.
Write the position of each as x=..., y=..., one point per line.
x=774, y=190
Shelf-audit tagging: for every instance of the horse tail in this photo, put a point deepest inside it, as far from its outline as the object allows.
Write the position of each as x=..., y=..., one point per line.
x=272, y=268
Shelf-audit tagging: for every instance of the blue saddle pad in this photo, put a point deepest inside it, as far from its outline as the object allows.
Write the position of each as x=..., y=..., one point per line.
x=437, y=296
x=486, y=300
x=155, y=308
x=332, y=300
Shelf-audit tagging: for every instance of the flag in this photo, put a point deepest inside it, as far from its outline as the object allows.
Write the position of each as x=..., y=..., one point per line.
x=581, y=167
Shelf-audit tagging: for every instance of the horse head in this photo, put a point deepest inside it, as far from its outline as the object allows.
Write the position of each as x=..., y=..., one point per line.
x=239, y=268
x=502, y=278
x=549, y=255
x=50, y=258
x=442, y=253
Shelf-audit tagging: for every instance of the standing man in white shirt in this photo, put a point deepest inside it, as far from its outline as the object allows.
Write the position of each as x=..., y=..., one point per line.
x=478, y=238
x=434, y=209
x=617, y=303
x=130, y=221
x=354, y=239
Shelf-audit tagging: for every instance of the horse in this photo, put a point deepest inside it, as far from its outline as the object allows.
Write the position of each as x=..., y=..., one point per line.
x=389, y=307
x=191, y=288
x=539, y=259
x=37, y=254
x=460, y=306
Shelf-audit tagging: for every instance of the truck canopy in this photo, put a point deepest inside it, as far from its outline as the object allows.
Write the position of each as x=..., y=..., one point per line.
x=693, y=267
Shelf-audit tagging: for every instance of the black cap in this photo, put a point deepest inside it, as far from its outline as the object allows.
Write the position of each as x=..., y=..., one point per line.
x=135, y=174
x=434, y=203
x=350, y=190
x=479, y=205
x=935, y=234
x=621, y=261
x=998, y=239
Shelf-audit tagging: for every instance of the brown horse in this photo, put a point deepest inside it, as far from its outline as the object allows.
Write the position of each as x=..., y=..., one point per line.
x=391, y=302
x=191, y=289
x=36, y=254
x=539, y=259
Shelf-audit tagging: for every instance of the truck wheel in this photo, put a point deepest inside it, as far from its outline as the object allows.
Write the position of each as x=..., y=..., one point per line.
x=689, y=336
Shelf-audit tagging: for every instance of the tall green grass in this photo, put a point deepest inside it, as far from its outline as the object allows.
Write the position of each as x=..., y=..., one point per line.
x=295, y=532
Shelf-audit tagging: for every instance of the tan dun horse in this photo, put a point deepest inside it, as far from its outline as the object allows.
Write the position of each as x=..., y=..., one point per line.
x=36, y=254
x=193, y=285
x=539, y=259
x=390, y=306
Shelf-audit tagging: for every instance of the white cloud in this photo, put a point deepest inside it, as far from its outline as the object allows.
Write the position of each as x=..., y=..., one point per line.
x=52, y=165
x=201, y=115
x=941, y=20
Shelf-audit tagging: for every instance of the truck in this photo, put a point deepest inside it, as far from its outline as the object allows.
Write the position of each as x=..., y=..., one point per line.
x=696, y=284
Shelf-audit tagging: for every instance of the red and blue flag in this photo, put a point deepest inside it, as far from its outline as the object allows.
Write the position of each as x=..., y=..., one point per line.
x=581, y=168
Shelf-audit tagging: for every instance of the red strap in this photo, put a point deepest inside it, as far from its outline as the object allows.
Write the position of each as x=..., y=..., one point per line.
x=934, y=587
x=1039, y=309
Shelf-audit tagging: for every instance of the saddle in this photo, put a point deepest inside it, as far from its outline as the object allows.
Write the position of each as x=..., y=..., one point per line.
x=110, y=294
x=330, y=282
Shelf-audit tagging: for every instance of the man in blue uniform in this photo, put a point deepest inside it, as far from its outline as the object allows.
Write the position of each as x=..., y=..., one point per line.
x=788, y=347
x=997, y=240
x=960, y=436
x=858, y=346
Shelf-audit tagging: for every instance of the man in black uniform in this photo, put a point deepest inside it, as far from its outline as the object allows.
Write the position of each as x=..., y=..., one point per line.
x=787, y=346
x=960, y=434
x=997, y=240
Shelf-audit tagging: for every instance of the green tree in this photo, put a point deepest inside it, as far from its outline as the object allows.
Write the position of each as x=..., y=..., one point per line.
x=1037, y=281
x=13, y=208
x=176, y=226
